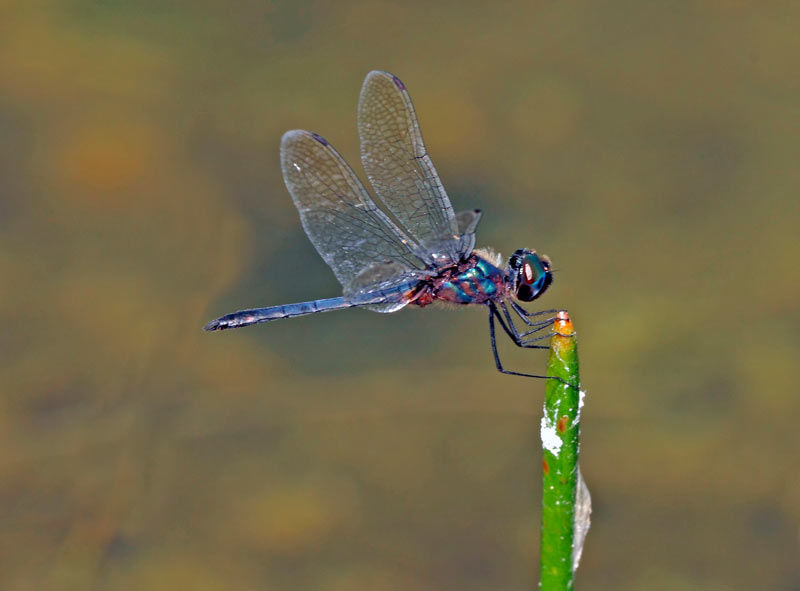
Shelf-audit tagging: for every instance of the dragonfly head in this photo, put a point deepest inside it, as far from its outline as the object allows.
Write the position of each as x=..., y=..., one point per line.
x=529, y=273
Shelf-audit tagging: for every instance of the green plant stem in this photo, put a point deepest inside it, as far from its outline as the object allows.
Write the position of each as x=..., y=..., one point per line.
x=560, y=430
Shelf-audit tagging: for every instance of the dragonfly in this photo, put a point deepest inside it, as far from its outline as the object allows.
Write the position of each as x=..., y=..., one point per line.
x=406, y=246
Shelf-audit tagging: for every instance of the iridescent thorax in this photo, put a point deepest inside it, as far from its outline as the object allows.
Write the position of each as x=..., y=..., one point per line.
x=474, y=281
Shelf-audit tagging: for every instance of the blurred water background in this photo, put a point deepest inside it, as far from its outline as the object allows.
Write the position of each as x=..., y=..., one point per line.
x=650, y=148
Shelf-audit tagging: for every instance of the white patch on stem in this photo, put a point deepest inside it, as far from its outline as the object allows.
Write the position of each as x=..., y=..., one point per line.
x=581, y=397
x=550, y=439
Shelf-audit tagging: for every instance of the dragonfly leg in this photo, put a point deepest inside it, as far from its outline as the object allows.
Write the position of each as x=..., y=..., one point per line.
x=524, y=314
x=492, y=313
x=514, y=334
x=527, y=333
x=537, y=326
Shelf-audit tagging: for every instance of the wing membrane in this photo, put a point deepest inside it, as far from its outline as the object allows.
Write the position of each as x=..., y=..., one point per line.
x=399, y=168
x=341, y=220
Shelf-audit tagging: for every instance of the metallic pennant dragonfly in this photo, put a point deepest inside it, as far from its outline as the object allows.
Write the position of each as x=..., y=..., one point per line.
x=407, y=247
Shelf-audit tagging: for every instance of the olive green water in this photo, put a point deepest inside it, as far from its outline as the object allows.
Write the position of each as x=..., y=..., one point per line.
x=651, y=149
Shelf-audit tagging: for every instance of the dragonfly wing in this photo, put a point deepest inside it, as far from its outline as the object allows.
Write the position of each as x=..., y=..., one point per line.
x=343, y=223
x=389, y=279
x=468, y=220
x=467, y=223
x=385, y=287
x=399, y=168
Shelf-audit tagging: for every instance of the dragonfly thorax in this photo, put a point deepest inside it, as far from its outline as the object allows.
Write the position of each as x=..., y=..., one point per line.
x=530, y=274
x=475, y=280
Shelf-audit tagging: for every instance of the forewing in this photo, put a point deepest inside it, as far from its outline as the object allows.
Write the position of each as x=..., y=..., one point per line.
x=398, y=166
x=341, y=220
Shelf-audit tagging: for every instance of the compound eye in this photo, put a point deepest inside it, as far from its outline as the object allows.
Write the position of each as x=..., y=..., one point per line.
x=527, y=273
x=524, y=292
